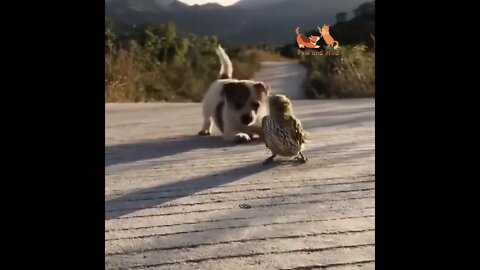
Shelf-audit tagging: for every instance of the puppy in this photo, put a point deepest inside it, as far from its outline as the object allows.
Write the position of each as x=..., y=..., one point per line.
x=236, y=106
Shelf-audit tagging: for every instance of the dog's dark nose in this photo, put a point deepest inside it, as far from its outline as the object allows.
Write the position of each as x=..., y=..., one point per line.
x=246, y=119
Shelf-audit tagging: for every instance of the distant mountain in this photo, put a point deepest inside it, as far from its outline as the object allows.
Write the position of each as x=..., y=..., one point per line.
x=356, y=30
x=277, y=23
x=157, y=6
x=250, y=4
x=247, y=21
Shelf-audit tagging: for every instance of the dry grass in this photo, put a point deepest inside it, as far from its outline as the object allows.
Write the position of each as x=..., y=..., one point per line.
x=122, y=73
x=132, y=77
x=348, y=75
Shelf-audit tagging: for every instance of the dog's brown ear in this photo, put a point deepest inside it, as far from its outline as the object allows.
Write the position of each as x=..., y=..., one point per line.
x=236, y=93
x=227, y=90
x=262, y=90
x=232, y=89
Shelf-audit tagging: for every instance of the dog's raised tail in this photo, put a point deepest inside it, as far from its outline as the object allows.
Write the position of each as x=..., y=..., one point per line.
x=226, y=70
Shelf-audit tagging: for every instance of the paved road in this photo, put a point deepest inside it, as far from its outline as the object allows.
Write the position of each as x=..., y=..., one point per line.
x=283, y=77
x=177, y=201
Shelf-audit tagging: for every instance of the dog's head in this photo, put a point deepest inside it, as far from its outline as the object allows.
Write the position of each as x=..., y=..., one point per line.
x=245, y=99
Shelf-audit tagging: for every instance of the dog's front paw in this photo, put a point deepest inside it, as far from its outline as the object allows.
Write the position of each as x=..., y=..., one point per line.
x=204, y=133
x=242, y=138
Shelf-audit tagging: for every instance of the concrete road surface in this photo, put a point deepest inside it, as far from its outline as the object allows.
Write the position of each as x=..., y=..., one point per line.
x=174, y=200
x=283, y=77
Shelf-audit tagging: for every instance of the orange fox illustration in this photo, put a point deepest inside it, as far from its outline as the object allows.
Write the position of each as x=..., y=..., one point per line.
x=303, y=41
x=325, y=33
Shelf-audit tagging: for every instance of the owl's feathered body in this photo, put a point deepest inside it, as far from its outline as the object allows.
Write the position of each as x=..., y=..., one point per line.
x=284, y=137
x=284, y=134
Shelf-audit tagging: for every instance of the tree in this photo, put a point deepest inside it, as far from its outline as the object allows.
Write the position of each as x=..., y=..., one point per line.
x=167, y=33
x=365, y=8
x=181, y=48
x=151, y=43
x=341, y=17
x=109, y=36
x=159, y=41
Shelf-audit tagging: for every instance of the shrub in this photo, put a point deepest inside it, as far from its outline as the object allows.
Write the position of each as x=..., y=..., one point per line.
x=351, y=74
x=157, y=65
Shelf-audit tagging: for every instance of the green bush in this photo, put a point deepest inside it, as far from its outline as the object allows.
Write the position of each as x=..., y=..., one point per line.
x=157, y=65
x=351, y=74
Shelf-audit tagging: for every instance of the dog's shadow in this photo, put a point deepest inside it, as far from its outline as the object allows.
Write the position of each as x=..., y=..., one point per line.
x=125, y=153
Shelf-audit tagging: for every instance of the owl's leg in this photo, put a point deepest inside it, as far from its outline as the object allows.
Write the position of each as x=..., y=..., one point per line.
x=269, y=160
x=302, y=158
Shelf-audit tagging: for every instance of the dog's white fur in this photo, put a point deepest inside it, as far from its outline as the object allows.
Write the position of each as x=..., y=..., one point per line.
x=226, y=67
x=233, y=128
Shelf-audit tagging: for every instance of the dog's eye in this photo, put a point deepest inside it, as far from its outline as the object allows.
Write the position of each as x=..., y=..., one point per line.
x=255, y=105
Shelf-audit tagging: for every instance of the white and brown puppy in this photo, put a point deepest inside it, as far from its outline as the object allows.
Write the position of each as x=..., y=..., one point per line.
x=236, y=106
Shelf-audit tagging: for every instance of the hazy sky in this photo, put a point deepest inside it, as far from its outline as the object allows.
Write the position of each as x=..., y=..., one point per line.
x=221, y=2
